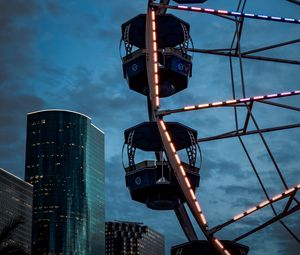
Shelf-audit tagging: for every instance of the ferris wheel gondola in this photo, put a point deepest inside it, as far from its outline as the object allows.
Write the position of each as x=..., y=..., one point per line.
x=160, y=66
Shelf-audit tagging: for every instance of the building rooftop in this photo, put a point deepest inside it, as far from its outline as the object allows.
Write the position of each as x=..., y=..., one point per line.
x=14, y=176
x=64, y=110
x=58, y=110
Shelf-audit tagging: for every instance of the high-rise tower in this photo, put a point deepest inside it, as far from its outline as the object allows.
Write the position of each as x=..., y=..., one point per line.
x=65, y=164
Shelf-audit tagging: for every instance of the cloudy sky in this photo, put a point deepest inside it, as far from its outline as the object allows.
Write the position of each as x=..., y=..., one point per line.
x=65, y=54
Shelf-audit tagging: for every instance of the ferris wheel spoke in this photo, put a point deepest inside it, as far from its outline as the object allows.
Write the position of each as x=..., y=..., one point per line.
x=232, y=102
x=173, y=158
x=253, y=57
x=186, y=188
x=265, y=191
x=158, y=84
x=271, y=221
x=294, y=1
x=268, y=149
x=185, y=222
x=281, y=105
x=286, y=211
x=271, y=47
x=228, y=13
x=240, y=133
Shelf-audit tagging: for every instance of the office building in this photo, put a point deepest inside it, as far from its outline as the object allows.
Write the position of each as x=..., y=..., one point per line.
x=16, y=203
x=132, y=238
x=65, y=164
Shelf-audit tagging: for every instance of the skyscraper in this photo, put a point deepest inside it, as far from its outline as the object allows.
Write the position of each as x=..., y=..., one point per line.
x=65, y=164
x=132, y=238
x=16, y=203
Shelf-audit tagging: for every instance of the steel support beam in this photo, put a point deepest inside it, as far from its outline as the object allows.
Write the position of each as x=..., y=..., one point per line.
x=229, y=54
x=269, y=222
x=251, y=132
x=185, y=222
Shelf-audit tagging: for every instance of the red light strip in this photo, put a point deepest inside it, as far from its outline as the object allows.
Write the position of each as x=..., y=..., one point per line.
x=155, y=57
x=191, y=194
x=230, y=102
x=234, y=14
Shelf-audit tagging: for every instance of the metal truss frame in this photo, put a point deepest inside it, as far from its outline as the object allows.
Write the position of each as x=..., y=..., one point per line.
x=234, y=51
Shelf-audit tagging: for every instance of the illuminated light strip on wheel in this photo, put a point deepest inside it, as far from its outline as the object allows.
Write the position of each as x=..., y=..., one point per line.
x=235, y=14
x=234, y=101
x=217, y=244
x=220, y=246
x=265, y=203
x=287, y=193
x=182, y=171
x=155, y=57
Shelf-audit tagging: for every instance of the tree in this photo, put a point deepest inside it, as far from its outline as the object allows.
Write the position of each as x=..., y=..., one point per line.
x=7, y=246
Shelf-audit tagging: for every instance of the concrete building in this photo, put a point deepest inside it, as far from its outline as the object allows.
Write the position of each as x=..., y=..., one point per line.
x=132, y=238
x=16, y=203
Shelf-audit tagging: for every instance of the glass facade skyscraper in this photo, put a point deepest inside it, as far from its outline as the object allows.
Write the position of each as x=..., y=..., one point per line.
x=65, y=164
x=132, y=238
x=16, y=203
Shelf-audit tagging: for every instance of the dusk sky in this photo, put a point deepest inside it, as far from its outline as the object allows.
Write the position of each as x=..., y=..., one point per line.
x=65, y=55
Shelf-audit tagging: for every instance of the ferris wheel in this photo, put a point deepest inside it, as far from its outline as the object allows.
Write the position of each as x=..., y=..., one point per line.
x=158, y=64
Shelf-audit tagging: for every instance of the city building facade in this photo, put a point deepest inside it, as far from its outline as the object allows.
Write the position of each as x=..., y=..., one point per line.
x=132, y=238
x=65, y=164
x=16, y=204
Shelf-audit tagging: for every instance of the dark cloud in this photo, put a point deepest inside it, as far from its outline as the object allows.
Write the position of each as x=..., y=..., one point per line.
x=65, y=55
x=106, y=99
x=218, y=166
x=18, y=9
x=16, y=39
x=13, y=128
x=55, y=8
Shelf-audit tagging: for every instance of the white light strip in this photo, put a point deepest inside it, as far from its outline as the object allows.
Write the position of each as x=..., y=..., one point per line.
x=184, y=7
x=198, y=207
x=276, y=197
x=289, y=191
x=219, y=243
x=235, y=14
x=239, y=216
x=237, y=101
x=187, y=182
x=217, y=103
x=173, y=148
x=196, y=8
x=222, y=12
x=203, y=218
x=220, y=246
x=189, y=107
x=265, y=203
x=182, y=171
